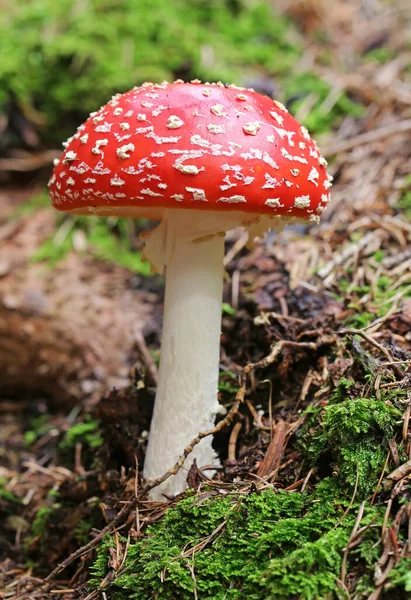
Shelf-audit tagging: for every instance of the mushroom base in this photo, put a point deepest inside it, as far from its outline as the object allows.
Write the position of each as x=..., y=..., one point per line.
x=186, y=401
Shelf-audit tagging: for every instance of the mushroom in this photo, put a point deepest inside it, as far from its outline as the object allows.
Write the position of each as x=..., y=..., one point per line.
x=201, y=159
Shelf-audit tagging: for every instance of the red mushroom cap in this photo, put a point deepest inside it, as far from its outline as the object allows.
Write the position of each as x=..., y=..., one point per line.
x=191, y=146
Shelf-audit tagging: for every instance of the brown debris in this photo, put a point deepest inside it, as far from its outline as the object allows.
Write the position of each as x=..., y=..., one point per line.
x=65, y=332
x=272, y=459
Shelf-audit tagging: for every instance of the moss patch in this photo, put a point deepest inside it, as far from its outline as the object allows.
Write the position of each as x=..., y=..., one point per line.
x=87, y=433
x=271, y=545
x=380, y=298
x=105, y=239
x=82, y=53
x=352, y=435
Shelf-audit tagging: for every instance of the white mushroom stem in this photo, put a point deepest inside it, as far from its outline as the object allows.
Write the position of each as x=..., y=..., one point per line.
x=186, y=401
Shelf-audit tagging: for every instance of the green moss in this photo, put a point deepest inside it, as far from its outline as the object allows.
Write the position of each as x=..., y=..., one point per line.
x=82, y=531
x=381, y=55
x=321, y=559
x=87, y=432
x=39, y=426
x=38, y=201
x=52, y=251
x=40, y=522
x=353, y=433
x=227, y=309
x=66, y=59
x=106, y=239
x=228, y=382
x=262, y=545
x=404, y=203
x=400, y=576
x=6, y=494
x=320, y=117
x=379, y=303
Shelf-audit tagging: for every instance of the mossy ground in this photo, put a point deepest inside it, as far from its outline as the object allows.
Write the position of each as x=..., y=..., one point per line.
x=245, y=544
x=84, y=53
x=258, y=541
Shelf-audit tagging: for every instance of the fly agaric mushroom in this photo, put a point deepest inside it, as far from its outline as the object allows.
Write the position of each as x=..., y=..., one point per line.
x=201, y=159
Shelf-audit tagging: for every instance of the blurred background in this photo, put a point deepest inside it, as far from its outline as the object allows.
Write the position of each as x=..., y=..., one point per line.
x=80, y=312
x=342, y=67
x=326, y=59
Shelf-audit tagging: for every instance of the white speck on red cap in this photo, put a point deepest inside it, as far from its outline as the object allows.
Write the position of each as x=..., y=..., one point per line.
x=98, y=144
x=270, y=182
x=232, y=199
x=158, y=110
x=304, y=132
x=188, y=169
x=69, y=157
x=148, y=192
x=251, y=128
x=67, y=142
x=313, y=176
x=217, y=110
x=277, y=117
x=216, y=128
x=288, y=156
x=302, y=201
x=174, y=122
x=198, y=194
x=117, y=181
x=273, y=202
x=123, y=151
x=280, y=105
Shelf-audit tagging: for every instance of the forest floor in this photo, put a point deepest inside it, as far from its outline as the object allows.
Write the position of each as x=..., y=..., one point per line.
x=313, y=497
